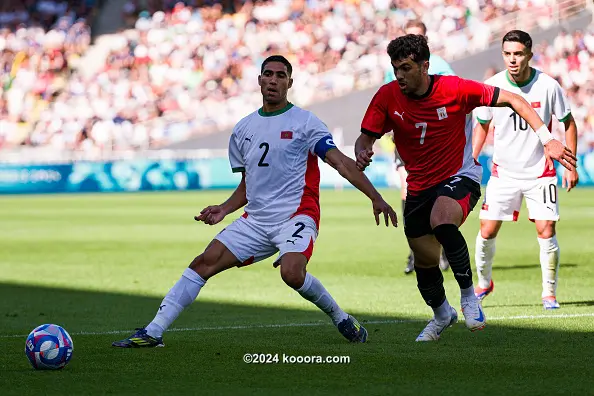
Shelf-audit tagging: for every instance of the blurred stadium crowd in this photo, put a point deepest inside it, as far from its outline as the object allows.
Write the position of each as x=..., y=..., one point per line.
x=184, y=68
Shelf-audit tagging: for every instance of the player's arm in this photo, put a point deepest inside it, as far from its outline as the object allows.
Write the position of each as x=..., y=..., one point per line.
x=484, y=116
x=479, y=136
x=348, y=169
x=216, y=213
x=570, y=177
x=562, y=111
x=237, y=200
x=554, y=149
x=364, y=150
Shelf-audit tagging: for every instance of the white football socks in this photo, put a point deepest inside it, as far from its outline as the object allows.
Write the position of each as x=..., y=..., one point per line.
x=467, y=293
x=549, y=264
x=443, y=313
x=313, y=290
x=182, y=294
x=483, y=257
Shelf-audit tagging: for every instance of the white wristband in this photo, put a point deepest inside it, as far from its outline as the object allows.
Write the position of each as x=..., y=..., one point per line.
x=544, y=135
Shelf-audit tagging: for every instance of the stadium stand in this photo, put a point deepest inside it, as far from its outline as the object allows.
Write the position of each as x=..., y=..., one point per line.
x=40, y=44
x=570, y=59
x=184, y=70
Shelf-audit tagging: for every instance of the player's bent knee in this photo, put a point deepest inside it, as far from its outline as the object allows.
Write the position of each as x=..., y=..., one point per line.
x=546, y=230
x=426, y=251
x=423, y=261
x=213, y=260
x=292, y=269
x=205, y=265
x=490, y=229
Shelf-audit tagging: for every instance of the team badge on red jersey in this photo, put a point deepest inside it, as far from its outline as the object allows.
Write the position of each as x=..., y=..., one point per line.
x=286, y=135
x=442, y=113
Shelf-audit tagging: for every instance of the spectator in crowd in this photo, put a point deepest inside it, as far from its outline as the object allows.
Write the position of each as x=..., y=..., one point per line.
x=40, y=43
x=189, y=67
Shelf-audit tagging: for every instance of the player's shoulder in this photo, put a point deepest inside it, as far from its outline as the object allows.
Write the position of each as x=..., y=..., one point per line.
x=300, y=112
x=542, y=78
x=302, y=115
x=388, y=93
x=498, y=79
x=310, y=121
x=387, y=89
x=243, y=124
x=448, y=80
x=447, y=84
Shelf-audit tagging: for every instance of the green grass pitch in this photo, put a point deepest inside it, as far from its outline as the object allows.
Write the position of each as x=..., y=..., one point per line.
x=99, y=265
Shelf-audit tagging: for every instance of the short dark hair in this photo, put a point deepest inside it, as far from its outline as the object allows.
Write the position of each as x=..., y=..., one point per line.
x=518, y=36
x=277, y=58
x=416, y=23
x=412, y=45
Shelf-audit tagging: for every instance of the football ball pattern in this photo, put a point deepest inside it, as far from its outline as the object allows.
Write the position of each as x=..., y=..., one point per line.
x=49, y=347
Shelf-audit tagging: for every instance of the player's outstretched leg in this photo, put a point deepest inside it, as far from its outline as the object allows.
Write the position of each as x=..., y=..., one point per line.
x=483, y=257
x=410, y=260
x=456, y=251
x=444, y=264
x=215, y=259
x=446, y=216
x=410, y=263
x=550, y=255
x=293, y=272
x=430, y=284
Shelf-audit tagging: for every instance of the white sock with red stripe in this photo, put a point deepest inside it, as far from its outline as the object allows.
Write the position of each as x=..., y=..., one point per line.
x=313, y=290
x=483, y=257
x=549, y=264
x=182, y=294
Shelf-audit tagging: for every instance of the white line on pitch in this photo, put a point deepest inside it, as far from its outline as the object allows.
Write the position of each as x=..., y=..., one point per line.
x=284, y=325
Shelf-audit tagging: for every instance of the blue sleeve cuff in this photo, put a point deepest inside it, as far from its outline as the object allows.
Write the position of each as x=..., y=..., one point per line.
x=324, y=145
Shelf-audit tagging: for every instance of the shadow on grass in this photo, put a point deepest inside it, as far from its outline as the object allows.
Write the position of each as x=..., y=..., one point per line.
x=206, y=358
x=529, y=266
x=589, y=303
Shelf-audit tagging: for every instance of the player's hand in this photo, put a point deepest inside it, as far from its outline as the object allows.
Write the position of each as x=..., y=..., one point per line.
x=380, y=206
x=211, y=215
x=364, y=159
x=570, y=179
x=555, y=150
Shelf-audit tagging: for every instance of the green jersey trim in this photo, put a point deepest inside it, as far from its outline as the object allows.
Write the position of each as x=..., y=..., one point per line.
x=275, y=113
x=522, y=84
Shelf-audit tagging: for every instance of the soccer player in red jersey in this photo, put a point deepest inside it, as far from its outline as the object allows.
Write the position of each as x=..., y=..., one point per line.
x=432, y=123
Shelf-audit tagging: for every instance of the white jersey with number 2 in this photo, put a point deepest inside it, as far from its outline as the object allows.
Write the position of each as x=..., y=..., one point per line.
x=279, y=152
x=518, y=153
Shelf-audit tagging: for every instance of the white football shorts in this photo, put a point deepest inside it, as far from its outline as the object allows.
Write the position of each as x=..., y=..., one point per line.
x=503, y=199
x=250, y=241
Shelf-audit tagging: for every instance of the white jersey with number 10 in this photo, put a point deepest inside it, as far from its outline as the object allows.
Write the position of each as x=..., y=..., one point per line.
x=518, y=153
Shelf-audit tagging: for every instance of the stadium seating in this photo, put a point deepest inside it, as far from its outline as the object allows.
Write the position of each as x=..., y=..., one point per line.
x=570, y=59
x=185, y=70
x=40, y=44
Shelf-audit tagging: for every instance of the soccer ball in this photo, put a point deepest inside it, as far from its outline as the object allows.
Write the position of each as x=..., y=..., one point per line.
x=49, y=347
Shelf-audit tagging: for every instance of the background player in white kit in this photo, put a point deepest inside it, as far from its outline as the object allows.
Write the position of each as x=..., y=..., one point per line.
x=519, y=165
x=276, y=148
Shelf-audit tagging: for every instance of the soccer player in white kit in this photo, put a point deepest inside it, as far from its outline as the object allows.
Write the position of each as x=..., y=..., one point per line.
x=520, y=169
x=276, y=149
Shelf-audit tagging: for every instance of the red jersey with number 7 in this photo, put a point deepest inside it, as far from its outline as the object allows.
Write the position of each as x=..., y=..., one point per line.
x=433, y=132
